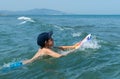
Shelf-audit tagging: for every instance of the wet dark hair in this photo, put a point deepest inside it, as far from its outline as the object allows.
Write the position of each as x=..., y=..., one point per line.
x=45, y=36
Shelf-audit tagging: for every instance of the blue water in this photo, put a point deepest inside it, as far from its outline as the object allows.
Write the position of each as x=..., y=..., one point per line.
x=98, y=59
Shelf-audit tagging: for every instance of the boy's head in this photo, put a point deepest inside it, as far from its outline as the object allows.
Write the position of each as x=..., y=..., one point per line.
x=44, y=39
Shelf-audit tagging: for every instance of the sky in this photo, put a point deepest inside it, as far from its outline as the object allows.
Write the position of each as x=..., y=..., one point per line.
x=68, y=6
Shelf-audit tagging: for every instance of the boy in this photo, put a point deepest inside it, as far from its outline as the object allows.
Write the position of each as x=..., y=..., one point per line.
x=45, y=41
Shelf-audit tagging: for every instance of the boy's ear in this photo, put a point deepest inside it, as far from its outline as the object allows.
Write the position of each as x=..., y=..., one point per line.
x=45, y=42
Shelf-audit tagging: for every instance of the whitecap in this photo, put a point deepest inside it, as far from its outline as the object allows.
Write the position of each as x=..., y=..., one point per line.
x=69, y=28
x=25, y=19
x=23, y=22
x=58, y=27
x=76, y=34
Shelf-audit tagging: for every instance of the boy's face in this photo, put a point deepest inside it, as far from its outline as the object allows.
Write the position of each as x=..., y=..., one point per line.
x=50, y=42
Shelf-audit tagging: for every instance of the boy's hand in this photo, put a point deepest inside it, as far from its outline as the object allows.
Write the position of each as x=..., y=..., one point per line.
x=76, y=45
x=61, y=47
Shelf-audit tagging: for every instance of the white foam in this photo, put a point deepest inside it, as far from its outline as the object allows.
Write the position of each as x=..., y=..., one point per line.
x=93, y=44
x=6, y=65
x=68, y=28
x=58, y=27
x=76, y=34
x=25, y=19
x=67, y=52
x=23, y=22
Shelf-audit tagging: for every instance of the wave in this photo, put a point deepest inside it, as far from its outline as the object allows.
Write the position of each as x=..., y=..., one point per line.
x=58, y=27
x=25, y=19
x=76, y=34
x=118, y=45
x=61, y=28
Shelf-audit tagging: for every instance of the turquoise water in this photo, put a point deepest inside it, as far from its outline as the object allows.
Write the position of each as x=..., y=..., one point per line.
x=98, y=59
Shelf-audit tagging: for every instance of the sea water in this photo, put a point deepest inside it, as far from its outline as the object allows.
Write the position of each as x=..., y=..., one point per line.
x=97, y=59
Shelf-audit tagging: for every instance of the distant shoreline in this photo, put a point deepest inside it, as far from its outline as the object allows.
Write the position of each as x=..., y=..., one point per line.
x=45, y=12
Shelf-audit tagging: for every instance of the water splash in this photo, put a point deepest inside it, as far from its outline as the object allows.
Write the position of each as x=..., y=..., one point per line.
x=11, y=66
x=92, y=44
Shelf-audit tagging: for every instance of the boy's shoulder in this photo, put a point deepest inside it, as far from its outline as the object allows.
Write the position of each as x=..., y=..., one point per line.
x=45, y=50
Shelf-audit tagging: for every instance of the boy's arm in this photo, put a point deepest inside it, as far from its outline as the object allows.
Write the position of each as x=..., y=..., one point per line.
x=29, y=60
x=68, y=47
x=36, y=56
x=52, y=53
